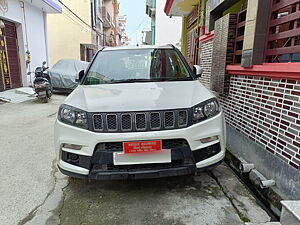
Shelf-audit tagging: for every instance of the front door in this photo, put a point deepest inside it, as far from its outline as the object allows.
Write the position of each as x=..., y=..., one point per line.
x=10, y=75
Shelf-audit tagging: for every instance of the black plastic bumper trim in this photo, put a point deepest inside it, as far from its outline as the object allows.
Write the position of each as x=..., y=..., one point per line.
x=142, y=174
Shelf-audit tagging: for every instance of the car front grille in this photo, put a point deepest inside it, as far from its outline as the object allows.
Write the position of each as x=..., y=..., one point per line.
x=140, y=121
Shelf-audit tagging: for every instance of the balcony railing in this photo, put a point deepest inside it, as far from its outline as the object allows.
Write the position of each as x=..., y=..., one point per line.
x=107, y=19
x=284, y=32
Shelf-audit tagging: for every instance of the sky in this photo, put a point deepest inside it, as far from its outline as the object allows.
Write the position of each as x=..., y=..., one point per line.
x=137, y=19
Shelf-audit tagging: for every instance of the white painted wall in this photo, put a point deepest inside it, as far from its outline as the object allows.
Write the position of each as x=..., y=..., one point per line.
x=35, y=33
x=168, y=30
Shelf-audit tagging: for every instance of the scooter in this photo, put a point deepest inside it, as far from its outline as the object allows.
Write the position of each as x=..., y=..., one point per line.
x=42, y=83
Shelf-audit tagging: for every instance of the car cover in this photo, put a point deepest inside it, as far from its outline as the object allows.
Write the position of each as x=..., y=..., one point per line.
x=64, y=73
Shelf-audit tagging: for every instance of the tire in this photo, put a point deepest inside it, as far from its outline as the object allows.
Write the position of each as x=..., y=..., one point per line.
x=45, y=100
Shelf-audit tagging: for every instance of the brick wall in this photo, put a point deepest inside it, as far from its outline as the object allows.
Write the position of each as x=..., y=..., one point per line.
x=206, y=61
x=268, y=112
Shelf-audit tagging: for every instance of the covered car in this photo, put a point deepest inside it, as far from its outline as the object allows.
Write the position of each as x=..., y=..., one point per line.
x=64, y=73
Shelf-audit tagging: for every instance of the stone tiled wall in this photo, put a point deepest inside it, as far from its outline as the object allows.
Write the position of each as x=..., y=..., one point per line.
x=223, y=48
x=205, y=62
x=268, y=112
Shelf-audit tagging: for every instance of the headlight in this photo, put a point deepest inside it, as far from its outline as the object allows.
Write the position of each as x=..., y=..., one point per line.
x=205, y=110
x=72, y=116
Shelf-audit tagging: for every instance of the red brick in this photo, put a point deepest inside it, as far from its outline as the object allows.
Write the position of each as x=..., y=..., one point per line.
x=263, y=141
x=293, y=114
x=286, y=107
x=291, y=81
x=270, y=150
x=278, y=95
x=271, y=89
x=275, y=114
x=283, y=127
x=290, y=135
x=296, y=143
x=288, y=102
x=281, y=85
x=294, y=165
x=282, y=142
x=268, y=107
x=286, y=155
x=298, y=156
x=296, y=93
x=289, y=86
x=278, y=105
x=285, y=122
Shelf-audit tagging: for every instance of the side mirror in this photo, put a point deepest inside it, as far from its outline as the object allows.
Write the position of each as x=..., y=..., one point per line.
x=28, y=73
x=44, y=63
x=198, y=70
x=80, y=76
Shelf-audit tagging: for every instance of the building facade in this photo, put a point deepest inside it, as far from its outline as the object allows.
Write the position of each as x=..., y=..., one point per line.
x=250, y=52
x=23, y=39
x=124, y=40
x=164, y=30
x=73, y=33
x=110, y=19
x=82, y=28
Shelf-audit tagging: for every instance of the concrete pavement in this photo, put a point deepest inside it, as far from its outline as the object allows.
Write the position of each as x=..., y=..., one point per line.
x=32, y=191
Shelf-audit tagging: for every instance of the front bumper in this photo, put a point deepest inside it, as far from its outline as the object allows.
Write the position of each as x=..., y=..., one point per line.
x=90, y=142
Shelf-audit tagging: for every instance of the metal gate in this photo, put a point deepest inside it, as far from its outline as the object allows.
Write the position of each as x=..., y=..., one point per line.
x=10, y=75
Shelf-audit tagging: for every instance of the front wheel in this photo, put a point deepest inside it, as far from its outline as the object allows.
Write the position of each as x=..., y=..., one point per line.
x=45, y=99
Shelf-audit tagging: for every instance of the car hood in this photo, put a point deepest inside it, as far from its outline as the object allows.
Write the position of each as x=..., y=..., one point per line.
x=138, y=96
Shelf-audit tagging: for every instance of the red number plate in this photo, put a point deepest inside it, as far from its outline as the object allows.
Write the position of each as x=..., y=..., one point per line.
x=141, y=146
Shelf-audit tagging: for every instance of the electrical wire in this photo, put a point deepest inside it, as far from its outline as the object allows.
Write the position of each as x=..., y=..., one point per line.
x=138, y=27
x=81, y=20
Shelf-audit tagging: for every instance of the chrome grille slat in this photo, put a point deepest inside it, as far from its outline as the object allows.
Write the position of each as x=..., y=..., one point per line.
x=139, y=121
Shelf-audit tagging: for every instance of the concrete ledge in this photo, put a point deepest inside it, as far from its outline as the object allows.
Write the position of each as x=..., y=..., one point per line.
x=287, y=178
x=290, y=214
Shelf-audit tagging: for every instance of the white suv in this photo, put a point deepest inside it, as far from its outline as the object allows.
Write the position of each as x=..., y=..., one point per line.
x=139, y=113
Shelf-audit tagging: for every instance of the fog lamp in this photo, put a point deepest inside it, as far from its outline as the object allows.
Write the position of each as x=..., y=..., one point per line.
x=209, y=139
x=72, y=146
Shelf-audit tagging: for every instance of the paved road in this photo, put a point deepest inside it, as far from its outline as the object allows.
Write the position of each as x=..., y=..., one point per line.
x=32, y=191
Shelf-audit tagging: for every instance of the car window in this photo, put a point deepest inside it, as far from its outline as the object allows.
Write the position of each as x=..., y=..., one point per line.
x=136, y=65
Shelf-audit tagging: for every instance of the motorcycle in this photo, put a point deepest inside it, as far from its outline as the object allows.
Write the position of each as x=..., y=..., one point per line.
x=42, y=83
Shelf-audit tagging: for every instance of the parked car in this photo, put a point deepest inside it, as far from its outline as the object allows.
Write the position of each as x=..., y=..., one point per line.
x=63, y=74
x=137, y=113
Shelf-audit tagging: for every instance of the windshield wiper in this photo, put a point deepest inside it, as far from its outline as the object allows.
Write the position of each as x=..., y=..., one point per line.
x=178, y=79
x=130, y=81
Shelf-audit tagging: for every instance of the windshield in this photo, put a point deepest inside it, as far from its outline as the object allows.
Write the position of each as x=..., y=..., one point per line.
x=141, y=65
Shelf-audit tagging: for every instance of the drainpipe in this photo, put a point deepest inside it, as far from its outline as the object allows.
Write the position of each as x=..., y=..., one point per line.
x=22, y=5
x=153, y=22
x=46, y=39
